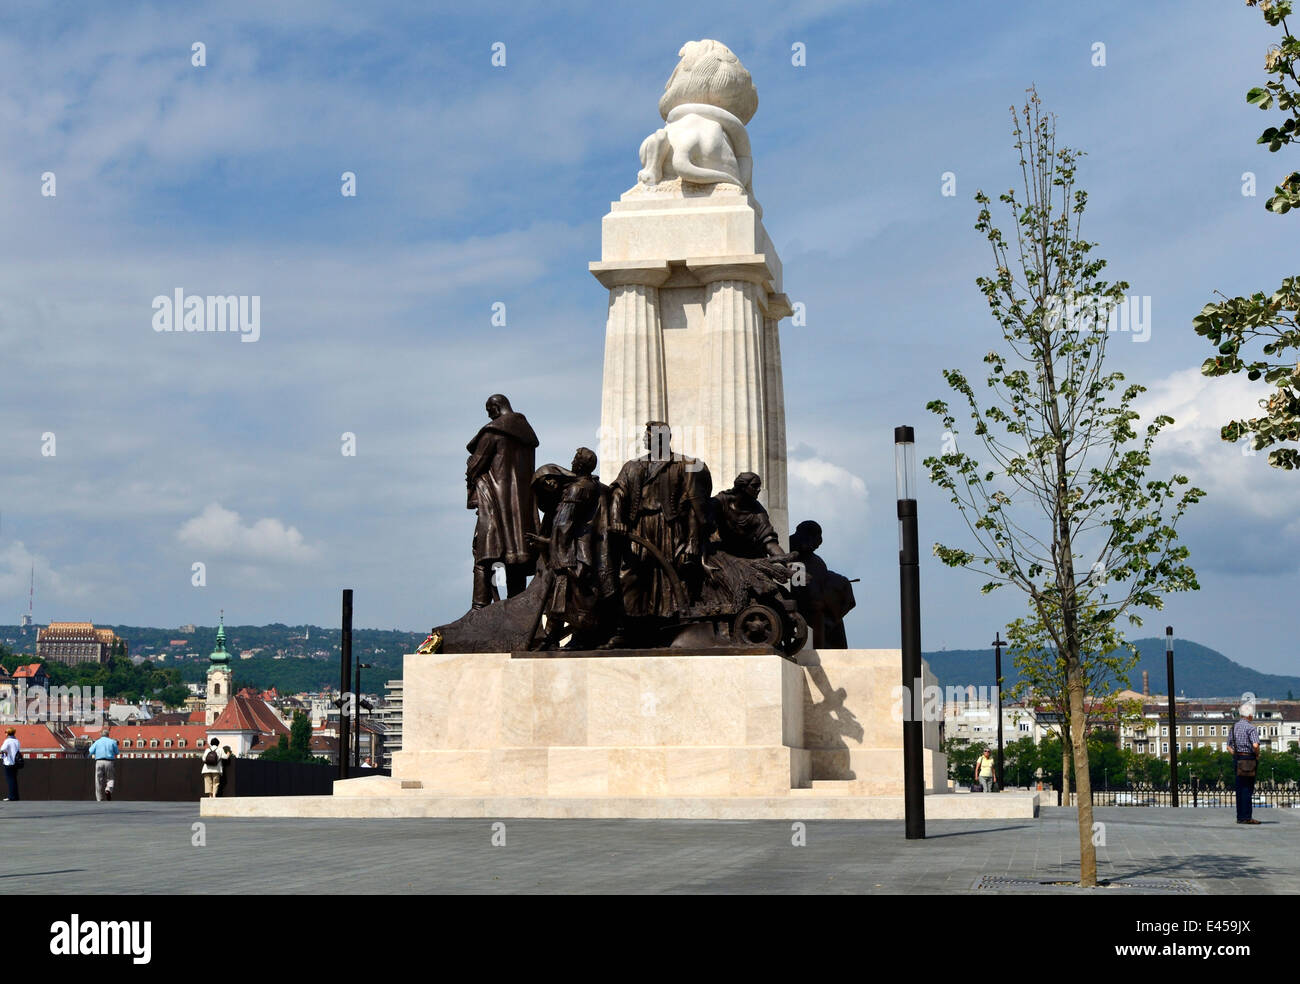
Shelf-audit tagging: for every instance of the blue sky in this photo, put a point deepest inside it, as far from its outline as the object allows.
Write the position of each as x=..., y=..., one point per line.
x=480, y=184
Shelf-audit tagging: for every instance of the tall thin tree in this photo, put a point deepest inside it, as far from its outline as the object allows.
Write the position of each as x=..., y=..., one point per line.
x=1062, y=509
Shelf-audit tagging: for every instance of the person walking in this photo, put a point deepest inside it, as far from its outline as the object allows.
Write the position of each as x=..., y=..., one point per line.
x=1244, y=742
x=986, y=771
x=103, y=751
x=11, y=755
x=212, y=769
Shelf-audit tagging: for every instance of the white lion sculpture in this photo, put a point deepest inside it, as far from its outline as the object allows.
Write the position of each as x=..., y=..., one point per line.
x=706, y=104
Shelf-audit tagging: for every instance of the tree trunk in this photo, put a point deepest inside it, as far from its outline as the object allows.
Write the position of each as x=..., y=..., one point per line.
x=1082, y=780
x=1065, y=767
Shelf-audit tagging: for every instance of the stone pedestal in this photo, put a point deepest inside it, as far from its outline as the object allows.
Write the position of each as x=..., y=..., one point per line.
x=491, y=725
x=689, y=736
x=692, y=334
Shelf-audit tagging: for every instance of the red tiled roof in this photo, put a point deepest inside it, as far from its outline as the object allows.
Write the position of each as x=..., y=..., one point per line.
x=192, y=733
x=249, y=714
x=29, y=670
x=36, y=738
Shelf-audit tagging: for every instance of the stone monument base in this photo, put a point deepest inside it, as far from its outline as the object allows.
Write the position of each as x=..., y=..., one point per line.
x=713, y=734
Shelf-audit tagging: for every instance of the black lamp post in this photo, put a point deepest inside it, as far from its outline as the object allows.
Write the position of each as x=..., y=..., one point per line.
x=356, y=705
x=345, y=667
x=997, y=674
x=1173, y=719
x=909, y=589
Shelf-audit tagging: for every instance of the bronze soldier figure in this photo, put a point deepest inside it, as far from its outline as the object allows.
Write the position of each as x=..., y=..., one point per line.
x=575, y=539
x=498, y=477
x=742, y=524
x=661, y=497
x=823, y=596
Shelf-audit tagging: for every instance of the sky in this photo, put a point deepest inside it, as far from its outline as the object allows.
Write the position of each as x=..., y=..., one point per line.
x=481, y=185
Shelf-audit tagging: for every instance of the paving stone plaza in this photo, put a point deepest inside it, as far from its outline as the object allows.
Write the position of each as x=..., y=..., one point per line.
x=148, y=848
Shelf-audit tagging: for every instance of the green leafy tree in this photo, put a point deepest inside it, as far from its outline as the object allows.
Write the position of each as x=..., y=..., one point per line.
x=1271, y=321
x=1210, y=766
x=1066, y=471
x=280, y=753
x=1020, y=762
x=300, y=737
x=962, y=754
x=1105, y=760
x=295, y=746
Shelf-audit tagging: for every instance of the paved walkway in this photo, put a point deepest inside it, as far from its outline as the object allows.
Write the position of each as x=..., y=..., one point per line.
x=148, y=848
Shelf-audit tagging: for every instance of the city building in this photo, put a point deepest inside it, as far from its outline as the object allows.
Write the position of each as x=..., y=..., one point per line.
x=249, y=725
x=77, y=642
x=1208, y=723
x=31, y=675
x=389, y=714
x=150, y=740
x=44, y=741
x=976, y=721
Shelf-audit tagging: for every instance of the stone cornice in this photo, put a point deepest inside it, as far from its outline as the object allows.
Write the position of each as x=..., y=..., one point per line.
x=644, y=273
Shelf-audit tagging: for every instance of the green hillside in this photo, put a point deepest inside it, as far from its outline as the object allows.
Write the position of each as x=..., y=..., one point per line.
x=1199, y=672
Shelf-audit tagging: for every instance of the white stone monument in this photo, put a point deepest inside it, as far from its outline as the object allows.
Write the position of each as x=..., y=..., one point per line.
x=694, y=284
x=691, y=339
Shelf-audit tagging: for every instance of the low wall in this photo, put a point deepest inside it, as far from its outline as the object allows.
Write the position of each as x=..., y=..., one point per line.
x=175, y=780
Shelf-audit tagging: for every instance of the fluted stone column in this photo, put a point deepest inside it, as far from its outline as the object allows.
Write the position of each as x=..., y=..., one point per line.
x=634, y=389
x=774, y=465
x=734, y=409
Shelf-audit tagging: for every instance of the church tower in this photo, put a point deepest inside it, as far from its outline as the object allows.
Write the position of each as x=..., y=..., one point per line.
x=219, y=676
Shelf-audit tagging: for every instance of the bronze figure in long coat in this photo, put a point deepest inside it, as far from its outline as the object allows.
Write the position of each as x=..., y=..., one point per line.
x=498, y=479
x=663, y=498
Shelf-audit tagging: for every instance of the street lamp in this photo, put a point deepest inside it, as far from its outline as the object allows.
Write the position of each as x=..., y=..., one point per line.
x=356, y=705
x=997, y=675
x=1173, y=718
x=909, y=594
x=345, y=667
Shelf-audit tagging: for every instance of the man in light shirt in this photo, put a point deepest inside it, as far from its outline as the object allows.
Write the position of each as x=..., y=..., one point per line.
x=11, y=757
x=103, y=751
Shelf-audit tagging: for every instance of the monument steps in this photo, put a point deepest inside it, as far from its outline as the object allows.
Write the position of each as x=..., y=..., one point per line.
x=801, y=804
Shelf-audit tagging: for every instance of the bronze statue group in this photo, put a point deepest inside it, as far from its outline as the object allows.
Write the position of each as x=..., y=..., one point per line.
x=653, y=560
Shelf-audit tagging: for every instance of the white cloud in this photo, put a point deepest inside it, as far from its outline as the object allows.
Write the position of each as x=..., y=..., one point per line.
x=220, y=531
x=16, y=563
x=1200, y=405
x=827, y=476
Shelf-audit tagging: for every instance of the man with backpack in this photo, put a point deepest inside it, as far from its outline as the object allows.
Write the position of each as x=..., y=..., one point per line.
x=213, y=760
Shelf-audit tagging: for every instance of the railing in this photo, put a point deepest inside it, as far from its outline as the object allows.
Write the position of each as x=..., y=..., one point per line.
x=1192, y=794
x=176, y=779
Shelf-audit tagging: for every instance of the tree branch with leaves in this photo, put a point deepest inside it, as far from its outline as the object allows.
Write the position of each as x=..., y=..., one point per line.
x=1270, y=322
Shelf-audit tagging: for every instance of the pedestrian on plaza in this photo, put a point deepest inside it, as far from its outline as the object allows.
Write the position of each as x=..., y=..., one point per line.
x=986, y=771
x=1244, y=742
x=11, y=755
x=212, y=760
x=226, y=756
x=103, y=751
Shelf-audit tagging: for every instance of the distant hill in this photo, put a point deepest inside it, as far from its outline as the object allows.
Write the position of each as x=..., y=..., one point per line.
x=291, y=658
x=1199, y=671
x=309, y=659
